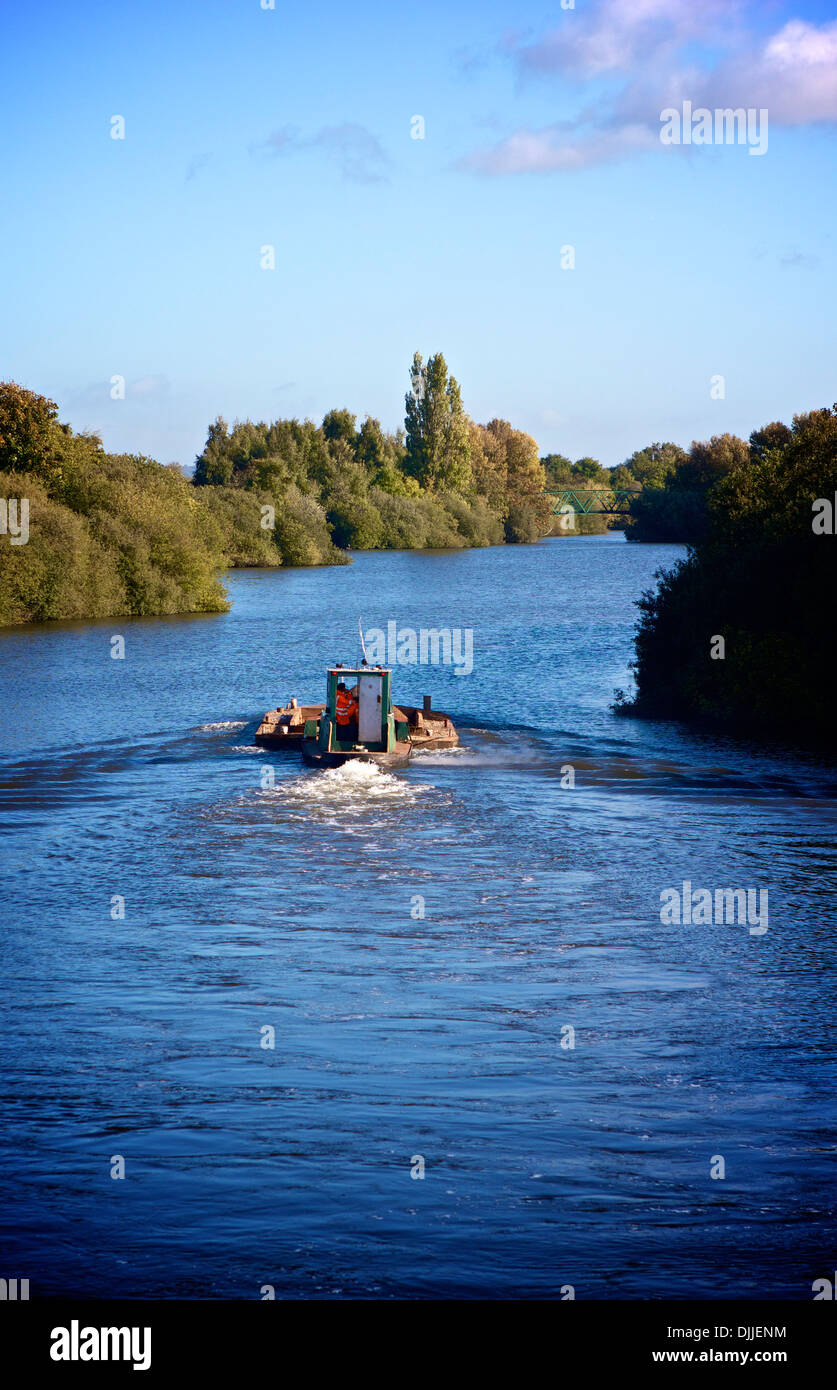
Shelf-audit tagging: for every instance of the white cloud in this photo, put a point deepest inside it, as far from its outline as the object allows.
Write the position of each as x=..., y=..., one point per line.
x=657, y=54
x=793, y=75
x=560, y=146
x=614, y=35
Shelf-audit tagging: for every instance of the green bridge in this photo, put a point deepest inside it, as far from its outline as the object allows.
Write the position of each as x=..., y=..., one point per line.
x=593, y=501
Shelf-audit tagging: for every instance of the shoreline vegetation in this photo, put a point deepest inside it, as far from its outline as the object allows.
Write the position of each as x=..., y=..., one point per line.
x=737, y=635
x=112, y=535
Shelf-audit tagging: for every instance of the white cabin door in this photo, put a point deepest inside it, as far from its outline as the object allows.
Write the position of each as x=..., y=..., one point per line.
x=369, y=713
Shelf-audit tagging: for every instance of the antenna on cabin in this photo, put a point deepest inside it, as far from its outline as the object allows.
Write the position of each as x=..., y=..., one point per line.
x=362, y=643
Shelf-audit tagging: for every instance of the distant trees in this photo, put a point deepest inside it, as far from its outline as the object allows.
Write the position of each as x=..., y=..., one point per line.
x=651, y=466
x=119, y=534
x=443, y=482
x=673, y=505
x=437, y=438
x=558, y=469
x=129, y=536
x=215, y=466
x=339, y=424
x=587, y=468
x=525, y=512
x=673, y=485
x=768, y=494
x=488, y=465
x=710, y=460
x=509, y=475
x=562, y=473
x=651, y=469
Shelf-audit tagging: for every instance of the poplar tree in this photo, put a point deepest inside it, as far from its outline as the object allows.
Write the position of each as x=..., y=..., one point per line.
x=438, y=443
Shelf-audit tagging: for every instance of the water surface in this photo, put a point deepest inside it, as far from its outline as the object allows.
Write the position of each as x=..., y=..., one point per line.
x=293, y=906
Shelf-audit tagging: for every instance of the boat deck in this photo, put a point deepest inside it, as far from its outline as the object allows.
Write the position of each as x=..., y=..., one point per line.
x=284, y=727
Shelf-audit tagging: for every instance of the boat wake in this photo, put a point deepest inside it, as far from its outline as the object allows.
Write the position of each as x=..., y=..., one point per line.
x=441, y=757
x=353, y=785
x=221, y=725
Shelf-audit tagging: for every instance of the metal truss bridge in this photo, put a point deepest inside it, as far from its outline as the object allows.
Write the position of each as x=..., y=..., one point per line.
x=593, y=501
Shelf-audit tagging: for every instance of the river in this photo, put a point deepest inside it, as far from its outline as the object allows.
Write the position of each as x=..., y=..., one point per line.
x=600, y=1102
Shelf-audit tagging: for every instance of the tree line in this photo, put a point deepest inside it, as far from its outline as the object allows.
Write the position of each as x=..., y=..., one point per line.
x=122, y=534
x=441, y=482
x=736, y=635
x=115, y=534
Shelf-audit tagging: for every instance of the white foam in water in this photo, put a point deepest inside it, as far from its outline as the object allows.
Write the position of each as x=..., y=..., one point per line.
x=222, y=724
x=439, y=756
x=362, y=782
x=246, y=748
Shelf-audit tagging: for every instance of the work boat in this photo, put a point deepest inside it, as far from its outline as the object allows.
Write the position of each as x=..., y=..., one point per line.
x=379, y=732
x=374, y=735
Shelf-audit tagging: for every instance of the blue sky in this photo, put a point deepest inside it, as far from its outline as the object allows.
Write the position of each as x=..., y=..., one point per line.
x=291, y=127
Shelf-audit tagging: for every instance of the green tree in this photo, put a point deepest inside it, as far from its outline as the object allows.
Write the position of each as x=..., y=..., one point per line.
x=759, y=576
x=656, y=462
x=621, y=476
x=109, y=534
x=437, y=436
x=340, y=424
x=678, y=510
x=709, y=461
x=558, y=470
x=28, y=427
x=773, y=436
x=526, y=509
x=489, y=466
x=214, y=467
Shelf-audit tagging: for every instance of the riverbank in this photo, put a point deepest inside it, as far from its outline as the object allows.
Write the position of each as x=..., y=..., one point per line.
x=735, y=637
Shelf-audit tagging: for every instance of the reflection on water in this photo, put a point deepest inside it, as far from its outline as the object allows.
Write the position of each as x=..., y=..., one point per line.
x=419, y=942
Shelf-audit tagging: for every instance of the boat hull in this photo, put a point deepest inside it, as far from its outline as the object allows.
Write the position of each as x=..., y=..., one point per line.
x=287, y=741
x=315, y=756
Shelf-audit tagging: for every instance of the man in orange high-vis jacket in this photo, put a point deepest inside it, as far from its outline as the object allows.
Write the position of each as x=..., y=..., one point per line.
x=346, y=711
